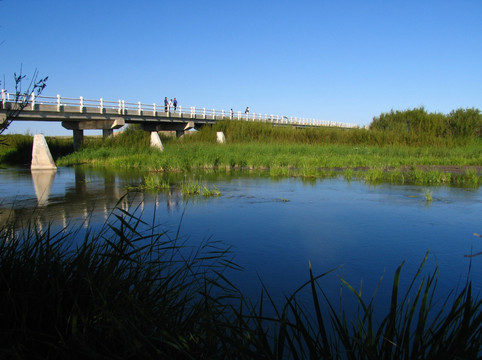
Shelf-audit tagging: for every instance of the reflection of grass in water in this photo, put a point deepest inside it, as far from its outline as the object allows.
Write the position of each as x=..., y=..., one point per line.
x=129, y=291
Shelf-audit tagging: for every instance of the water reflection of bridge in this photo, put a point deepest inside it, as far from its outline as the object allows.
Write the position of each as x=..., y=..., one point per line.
x=89, y=195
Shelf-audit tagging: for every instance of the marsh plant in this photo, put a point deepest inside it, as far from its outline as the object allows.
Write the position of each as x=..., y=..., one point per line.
x=214, y=191
x=190, y=188
x=130, y=290
x=154, y=182
x=428, y=195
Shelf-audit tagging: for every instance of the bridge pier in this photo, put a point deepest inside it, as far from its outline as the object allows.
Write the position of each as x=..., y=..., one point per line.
x=107, y=133
x=78, y=139
x=78, y=127
x=179, y=127
x=41, y=157
x=156, y=141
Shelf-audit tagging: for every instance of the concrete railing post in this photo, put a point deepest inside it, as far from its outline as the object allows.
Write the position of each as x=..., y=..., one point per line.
x=123, y=107
x=154, y=112
x=101, y=105
x=4, y=98
x=81, y=104
x=120, y=107
x=180, y=111
x=214, y=114
x=239, y=115
x=32, y=100
x=58, y=102
x=204, y=113
x=139, y=108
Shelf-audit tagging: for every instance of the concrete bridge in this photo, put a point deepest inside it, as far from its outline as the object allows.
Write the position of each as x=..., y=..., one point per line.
x=79, y=114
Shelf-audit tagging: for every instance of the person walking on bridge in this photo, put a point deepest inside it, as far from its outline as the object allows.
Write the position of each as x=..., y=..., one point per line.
x=175, y=104
x=166, y=103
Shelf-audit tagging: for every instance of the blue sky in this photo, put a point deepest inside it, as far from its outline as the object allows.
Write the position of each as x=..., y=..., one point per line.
x=345, y=61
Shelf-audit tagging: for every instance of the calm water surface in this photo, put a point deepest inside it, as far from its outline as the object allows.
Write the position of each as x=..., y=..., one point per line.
x=277, y=226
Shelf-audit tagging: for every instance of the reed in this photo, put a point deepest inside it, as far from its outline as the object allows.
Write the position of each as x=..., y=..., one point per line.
x=17, y=149
x=154, y=182
x=130, y=291
x=207, y=192
x=191, y=188
x=428, y=195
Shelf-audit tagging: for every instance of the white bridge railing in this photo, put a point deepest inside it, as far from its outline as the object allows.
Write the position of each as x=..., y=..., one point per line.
x=122, y=107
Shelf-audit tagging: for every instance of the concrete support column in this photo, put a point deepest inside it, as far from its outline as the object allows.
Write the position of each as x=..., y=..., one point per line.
x=78, y=139
x=156, y=141
x=107, y=132
x=220, y=138
x=41, y=157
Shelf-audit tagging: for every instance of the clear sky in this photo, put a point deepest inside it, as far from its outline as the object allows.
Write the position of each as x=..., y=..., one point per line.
x=345, y=60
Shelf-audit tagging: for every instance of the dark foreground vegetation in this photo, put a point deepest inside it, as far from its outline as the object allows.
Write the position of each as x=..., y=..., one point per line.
x=131, y=292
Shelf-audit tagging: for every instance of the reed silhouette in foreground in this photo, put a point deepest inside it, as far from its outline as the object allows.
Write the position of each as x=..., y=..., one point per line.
x=131, y=291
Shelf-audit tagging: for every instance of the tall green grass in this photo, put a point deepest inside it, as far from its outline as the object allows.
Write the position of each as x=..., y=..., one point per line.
x=17, y=149
x=130, y=291
x=397, y=163
x=396, y=148
x=460, y=123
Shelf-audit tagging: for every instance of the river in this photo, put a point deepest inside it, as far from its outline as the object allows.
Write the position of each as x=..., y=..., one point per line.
x=277, y=226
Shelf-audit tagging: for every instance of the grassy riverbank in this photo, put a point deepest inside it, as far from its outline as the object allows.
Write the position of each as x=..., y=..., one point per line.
x=128, y=291
x=293, y=152
x=404, y=147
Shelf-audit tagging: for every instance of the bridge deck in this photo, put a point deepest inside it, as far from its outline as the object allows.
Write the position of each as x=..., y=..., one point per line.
x=47, y=108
